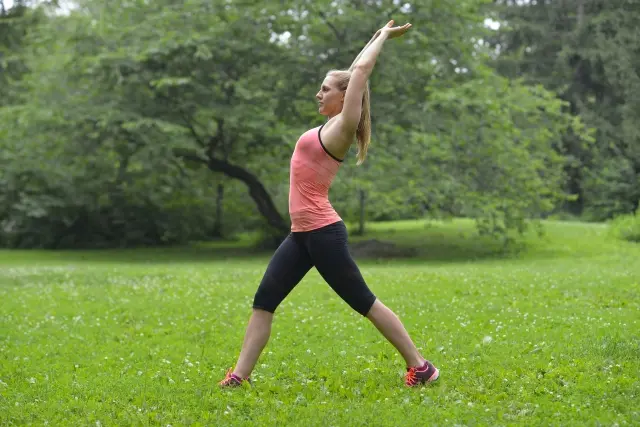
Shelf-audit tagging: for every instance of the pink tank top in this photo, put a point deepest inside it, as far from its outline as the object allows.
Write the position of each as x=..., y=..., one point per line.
x=312, y=171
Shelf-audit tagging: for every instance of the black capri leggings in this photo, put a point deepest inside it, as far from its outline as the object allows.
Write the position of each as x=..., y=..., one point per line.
x=326, y=249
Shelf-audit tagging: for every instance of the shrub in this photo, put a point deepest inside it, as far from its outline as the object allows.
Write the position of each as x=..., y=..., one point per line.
x=627, y=227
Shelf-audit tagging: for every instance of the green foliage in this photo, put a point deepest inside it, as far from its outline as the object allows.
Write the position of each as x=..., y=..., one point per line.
x=614, y=189
x=627, y=227
x=107, y=173
x=587, y=52
x=15, y=24
x=132, y=113
x=484, y=150
x=495, y=138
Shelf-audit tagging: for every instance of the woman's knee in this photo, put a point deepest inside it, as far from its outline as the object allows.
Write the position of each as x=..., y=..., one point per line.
x=369, y=306
x=266, y=300
x=262, y=314
x=375, y=309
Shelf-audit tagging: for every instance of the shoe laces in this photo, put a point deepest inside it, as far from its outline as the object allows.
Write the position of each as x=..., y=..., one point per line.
x=228, y=378
x=410, y=377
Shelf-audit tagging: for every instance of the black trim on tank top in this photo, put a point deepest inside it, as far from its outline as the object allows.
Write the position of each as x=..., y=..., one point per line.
x=325, y=148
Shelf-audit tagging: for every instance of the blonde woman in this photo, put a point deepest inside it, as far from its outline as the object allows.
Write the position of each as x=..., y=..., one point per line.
x=318, y=235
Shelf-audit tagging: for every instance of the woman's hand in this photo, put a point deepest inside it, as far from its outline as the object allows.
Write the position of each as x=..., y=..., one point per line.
x=392, y=32
x=389, y=32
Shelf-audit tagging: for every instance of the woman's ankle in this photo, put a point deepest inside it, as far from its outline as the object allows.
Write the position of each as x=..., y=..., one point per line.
x=417, y=362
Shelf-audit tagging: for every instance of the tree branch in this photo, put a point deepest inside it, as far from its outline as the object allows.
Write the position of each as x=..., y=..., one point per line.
x=192, y=130
x=222, y=138
x=323, y=16
x=229, y=92
x=214, y=140
x=190, y=155
x=258, y=192
x=339, y=36
x=189, y=122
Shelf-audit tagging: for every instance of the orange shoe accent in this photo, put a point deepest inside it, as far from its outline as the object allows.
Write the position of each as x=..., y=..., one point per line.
x=232, y=380
x=424, y=374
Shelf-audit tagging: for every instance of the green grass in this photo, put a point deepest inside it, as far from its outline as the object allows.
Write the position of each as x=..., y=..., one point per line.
x=546, y=335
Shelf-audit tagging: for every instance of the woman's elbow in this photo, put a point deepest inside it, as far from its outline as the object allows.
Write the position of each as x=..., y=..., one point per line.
x=363, y=68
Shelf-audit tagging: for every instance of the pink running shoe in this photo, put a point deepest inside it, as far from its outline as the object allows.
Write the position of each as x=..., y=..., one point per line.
x=427, y=373
x=232, y=380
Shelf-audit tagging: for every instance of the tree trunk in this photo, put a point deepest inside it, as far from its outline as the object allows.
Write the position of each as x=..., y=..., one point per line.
x=580, y=14
x=217, y=227
x=362, y=197
x=258, y=193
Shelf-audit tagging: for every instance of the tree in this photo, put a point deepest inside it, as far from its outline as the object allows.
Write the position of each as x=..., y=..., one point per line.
x=14, y=23
x=585, y=51
x=111, y=136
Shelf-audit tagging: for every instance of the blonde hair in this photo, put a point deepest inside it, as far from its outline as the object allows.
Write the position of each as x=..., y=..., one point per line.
x=363, y=134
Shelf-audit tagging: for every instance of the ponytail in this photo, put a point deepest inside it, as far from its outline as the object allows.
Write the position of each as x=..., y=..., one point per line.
x=363, y=133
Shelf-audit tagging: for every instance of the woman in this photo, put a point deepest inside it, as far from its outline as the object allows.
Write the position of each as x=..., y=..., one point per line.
x=318, y=235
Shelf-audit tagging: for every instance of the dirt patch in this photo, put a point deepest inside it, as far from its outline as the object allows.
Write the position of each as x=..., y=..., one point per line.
x=374, y=248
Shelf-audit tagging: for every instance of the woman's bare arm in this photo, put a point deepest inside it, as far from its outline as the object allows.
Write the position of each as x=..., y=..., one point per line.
x=362, y=69
x=375, y=36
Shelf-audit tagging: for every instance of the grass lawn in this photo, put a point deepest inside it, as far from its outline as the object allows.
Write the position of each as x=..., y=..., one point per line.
x=548, y=334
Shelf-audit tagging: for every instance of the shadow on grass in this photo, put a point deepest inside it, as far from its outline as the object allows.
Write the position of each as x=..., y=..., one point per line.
x=432, y=248
x=414, y=244
x=143, y=255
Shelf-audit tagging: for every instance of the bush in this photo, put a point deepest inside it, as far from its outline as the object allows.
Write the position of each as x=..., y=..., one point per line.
x=611, y=189
x=627, y=227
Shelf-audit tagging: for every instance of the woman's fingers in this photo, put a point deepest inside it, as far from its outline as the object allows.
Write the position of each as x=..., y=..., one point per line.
x=398, y=31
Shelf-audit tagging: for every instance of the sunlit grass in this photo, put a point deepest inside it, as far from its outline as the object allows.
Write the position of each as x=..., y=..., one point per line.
x=547, y=335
